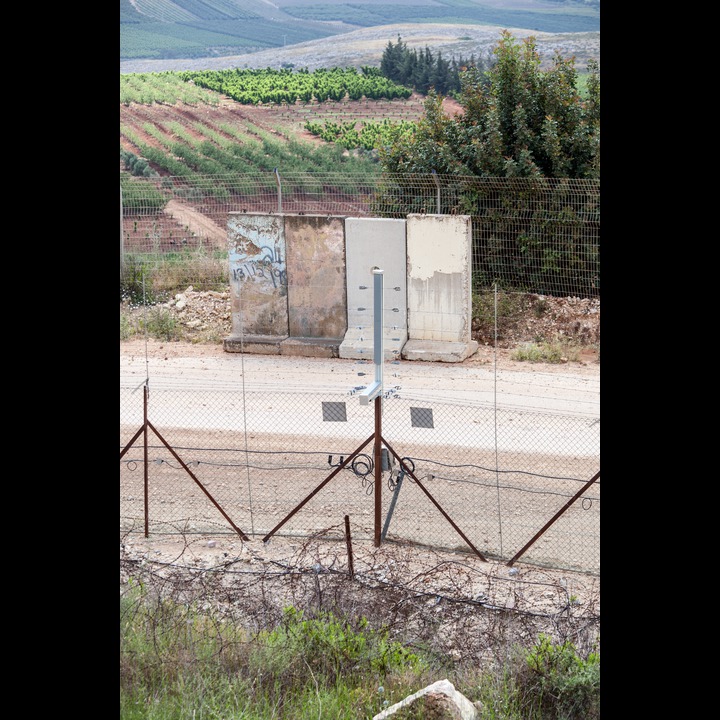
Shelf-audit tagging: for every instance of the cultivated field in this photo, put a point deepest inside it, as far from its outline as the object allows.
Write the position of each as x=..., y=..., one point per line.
x=180, y=226
x=254, y=121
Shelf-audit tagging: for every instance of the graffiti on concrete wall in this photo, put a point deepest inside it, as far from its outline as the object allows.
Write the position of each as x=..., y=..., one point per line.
x=270, y=265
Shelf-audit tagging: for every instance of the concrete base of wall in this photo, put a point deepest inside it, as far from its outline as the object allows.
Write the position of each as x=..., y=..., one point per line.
x=257, y=344
x=438, y=351
x=283, y=345
x=311, y=347
x=359, y=344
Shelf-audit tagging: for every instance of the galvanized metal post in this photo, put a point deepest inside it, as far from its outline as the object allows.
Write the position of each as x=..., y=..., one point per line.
x=378, y=357
x=279, y=190
x=437, y=185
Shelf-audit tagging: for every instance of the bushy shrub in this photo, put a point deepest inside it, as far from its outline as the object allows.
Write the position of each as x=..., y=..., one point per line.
x=331, y=647
x=559, y=684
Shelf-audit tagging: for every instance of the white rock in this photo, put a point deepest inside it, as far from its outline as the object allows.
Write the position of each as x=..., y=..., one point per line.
x=466, y=709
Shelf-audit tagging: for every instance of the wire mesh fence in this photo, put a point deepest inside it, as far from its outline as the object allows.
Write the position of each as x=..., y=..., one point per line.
x=259, y=457
x=507, y=473
x=536, y=235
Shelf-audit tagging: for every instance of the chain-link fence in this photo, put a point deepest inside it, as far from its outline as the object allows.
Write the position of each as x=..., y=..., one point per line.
x=243, y=450
x=536, y=235
x=472, y=459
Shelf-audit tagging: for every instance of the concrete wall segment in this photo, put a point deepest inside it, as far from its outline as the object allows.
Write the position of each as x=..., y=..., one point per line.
x=258, y=274
x=303, y=285
x=369, y=243
x=439, y=262
x=317, y=300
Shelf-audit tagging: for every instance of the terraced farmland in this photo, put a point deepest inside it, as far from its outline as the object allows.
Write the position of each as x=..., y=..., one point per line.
x=237, y=122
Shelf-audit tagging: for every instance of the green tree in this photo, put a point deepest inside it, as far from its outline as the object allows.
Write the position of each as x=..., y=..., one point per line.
x=517, y=121
x=408, y=69
x=392, y=59
x=440, y=78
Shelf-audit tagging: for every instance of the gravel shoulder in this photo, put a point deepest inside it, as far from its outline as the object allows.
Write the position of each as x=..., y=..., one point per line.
x=203, y=320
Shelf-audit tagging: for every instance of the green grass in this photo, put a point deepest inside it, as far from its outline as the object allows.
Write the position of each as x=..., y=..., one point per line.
x=147, y=282
x=128, y=328
x=148, y=279
x=177, y=662
x=156, y=322
x=553, y=352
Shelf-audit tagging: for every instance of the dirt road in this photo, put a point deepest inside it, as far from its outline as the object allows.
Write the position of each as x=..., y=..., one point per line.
x=570, y=389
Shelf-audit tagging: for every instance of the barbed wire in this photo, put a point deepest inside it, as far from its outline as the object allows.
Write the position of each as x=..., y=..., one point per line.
x=413, y=592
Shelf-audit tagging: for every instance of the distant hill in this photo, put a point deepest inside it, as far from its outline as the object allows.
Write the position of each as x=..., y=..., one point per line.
x=213, y=29
x=366, y=46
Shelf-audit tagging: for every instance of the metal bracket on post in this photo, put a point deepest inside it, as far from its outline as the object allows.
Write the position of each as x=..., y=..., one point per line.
x=371, y=392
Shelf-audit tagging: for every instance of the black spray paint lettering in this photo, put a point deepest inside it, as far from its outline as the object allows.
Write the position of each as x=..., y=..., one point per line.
x=269, y=266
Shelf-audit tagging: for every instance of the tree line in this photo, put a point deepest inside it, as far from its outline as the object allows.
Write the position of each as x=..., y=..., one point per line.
x=423, y=71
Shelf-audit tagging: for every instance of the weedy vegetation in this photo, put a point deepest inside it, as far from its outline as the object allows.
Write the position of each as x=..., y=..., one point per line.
x=183, y=660
x=555, y=352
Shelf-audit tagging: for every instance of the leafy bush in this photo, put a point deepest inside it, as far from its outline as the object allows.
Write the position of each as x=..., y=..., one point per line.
x=331, y=648
x=559, y=683
x=160, y=324
x=156, y=322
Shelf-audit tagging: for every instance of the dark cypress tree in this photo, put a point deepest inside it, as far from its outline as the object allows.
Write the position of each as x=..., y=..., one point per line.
x=392, y=59
x=454, y=79
x=409, y=69
x=421, y=79
x=440, y=75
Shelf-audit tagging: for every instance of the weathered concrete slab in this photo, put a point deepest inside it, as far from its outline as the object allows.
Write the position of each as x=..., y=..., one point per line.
x=258, y=279
x=311, y=347
x=317, y=299
x=315, y=246
x=258, y=344
x=439, y=278
x=438, y=351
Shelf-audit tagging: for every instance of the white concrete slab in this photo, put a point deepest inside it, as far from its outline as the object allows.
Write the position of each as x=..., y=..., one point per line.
x=370, y=243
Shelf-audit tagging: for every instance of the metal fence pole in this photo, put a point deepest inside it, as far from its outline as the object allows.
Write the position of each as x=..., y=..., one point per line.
x=122, y=241
x=279, y=191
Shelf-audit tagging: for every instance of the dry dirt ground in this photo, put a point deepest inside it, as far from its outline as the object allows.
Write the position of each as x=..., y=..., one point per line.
x=204, y=320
